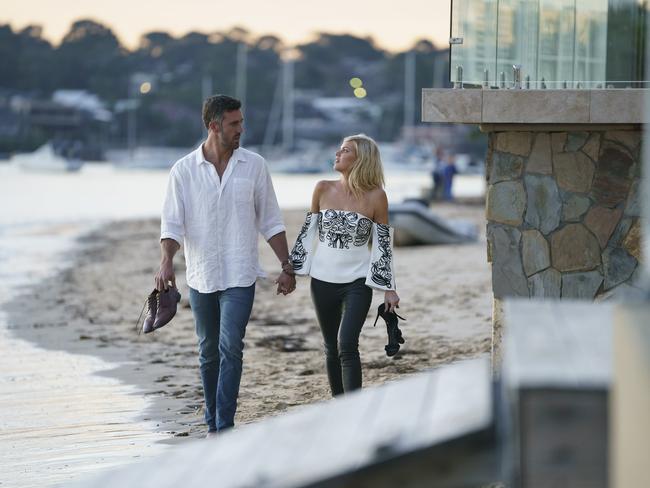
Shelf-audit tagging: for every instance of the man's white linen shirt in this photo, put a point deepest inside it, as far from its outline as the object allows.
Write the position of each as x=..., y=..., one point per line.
x=218, y=220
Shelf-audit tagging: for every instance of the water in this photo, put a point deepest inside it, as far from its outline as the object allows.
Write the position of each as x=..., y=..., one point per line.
x=55, y=422
x=59, y=419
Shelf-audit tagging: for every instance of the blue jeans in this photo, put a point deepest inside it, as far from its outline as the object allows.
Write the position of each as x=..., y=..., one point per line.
x=220, y=319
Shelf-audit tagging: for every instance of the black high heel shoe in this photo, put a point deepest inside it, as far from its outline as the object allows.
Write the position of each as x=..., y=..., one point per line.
x=395, y=337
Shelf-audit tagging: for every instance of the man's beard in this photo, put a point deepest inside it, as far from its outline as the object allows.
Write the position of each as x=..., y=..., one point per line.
x=231, y=144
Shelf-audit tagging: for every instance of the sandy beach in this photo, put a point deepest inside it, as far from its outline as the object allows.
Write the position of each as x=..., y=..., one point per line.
x=92, y=309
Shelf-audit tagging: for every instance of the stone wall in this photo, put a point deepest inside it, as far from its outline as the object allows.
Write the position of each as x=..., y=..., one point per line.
x=562, y=214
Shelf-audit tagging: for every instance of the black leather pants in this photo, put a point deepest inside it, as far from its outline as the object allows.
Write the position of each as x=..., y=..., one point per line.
x=341, y=309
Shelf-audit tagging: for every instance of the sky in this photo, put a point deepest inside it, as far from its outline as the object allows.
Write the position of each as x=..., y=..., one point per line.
x=394, y=25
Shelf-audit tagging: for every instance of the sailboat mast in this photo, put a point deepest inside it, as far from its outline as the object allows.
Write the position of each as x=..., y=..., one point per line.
x=409, y=93
x=287, y=112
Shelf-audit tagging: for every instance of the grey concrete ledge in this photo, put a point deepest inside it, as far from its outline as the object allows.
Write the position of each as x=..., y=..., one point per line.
x=568, y=107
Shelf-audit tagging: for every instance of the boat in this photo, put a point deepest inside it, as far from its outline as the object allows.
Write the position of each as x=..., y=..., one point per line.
x=45, y=158
x=416, y=224
x=147, y=157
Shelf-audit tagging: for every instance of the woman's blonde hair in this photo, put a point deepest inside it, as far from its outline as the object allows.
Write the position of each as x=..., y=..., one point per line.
x=367, y=171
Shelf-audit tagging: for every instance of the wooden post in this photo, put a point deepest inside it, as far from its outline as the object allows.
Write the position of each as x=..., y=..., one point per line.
x=555, y=386
x=630, y=398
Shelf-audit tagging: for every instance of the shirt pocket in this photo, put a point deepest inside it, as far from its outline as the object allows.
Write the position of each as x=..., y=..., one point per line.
x=243, y=188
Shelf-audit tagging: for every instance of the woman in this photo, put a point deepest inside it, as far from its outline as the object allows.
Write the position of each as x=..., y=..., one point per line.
x=334, y=248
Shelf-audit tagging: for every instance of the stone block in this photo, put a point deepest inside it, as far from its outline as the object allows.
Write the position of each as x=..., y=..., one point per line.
x=612, y=179
x=458, y=106
x=535, y=106
x=575, y=141
x=536, y=255
x=514, y=143
x=581, y=285
x=558, y=140
x=506, y=202
x=618, y=266
x=602, y=222
x=621, y=231
x=592, y=147
x=508, y=278
x=633, y=205
x=573, y=171
x=574, y=248
x=616, y=106
x=632, y=242
x=574, y=207
x=630, y=139
x=540, y=159
x=545, y=284
x=544, y=205
x=505, y=167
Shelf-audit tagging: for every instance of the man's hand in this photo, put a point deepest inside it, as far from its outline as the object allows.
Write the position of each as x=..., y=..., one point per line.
x=286, y=283
x=165, y=275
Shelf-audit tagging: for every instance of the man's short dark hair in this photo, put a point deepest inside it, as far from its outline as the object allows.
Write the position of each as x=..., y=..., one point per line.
x=215, y=106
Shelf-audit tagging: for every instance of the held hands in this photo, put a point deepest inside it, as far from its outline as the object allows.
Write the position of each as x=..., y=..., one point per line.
x=286, y=283
x=287, y=280
x=391, y=300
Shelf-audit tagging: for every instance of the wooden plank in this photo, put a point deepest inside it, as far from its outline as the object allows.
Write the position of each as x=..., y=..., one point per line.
x=452, y=443
x=320, y=442
x=552, y=343
x=397, y=418
x=460, y=402
x=630, y=401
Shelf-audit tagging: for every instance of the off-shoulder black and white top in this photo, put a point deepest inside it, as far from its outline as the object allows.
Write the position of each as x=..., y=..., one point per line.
x=339, y=246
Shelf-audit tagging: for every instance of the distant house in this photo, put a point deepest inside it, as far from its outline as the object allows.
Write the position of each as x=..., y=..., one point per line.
x=330, y=118
x=69, y=115
x=83, y=101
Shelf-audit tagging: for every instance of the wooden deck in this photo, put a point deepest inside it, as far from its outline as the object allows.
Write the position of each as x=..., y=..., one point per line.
x=362, y=439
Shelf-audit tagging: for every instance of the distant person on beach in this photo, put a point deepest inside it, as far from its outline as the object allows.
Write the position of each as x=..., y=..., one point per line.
x=436, y=173
x=448, y=172
x=218, y=198
x=333, y=248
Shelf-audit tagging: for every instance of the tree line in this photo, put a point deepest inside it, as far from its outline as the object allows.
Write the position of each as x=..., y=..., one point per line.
x=91, y=57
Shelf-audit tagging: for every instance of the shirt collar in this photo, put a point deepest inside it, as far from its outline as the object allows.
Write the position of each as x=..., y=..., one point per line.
x=237, y=155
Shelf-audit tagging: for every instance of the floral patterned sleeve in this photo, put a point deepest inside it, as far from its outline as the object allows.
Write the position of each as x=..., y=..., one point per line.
x=381, y=275
x=303, y=250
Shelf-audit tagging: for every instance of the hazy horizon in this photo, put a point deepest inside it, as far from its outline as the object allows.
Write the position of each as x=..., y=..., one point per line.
x=130, y=21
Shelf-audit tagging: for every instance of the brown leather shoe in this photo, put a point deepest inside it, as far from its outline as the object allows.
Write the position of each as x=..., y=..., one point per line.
x=152, y=308
x=167, y=303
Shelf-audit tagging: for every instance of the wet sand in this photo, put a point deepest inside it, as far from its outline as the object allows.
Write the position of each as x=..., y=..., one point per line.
x=92, y=308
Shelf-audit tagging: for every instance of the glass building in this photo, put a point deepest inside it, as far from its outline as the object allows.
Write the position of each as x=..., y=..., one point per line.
x=556, y=43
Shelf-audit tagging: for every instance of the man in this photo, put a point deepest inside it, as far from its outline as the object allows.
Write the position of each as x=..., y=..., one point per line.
x=436, y=172
x=218, y=198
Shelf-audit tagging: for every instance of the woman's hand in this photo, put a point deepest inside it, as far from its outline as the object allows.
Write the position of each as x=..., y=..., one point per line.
x=391, y=300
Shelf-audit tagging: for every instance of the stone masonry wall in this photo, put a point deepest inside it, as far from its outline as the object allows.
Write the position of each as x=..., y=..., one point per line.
x=562, y=214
